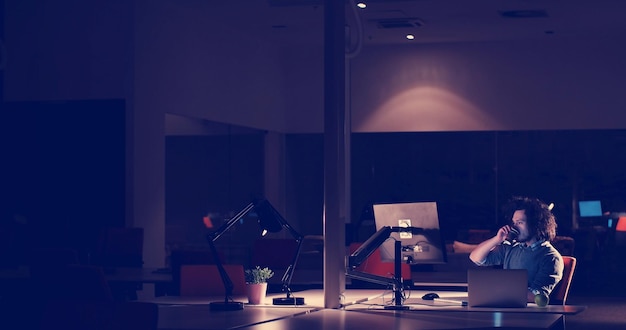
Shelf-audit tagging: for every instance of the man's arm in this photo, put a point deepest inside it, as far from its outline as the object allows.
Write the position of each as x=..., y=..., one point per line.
x=479, y=254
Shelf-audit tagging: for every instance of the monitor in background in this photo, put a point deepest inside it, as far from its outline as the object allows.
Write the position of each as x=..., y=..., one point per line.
x=591, y=208
x=424, y=248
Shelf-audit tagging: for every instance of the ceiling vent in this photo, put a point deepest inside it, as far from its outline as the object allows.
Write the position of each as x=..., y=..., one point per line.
x=398, y=23
x=531, y=13
x=281, y=3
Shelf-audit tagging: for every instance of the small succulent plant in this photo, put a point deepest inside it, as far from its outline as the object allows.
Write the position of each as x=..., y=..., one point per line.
x=258, y=275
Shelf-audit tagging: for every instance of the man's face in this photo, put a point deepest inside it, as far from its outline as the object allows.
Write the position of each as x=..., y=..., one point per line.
x=520, y=223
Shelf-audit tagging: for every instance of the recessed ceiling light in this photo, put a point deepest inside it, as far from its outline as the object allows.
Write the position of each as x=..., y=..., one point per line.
x=361, y=5
x=410, y=36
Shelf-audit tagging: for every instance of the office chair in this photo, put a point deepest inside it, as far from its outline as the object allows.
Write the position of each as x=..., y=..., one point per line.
x=560, y=292
x=205, y=280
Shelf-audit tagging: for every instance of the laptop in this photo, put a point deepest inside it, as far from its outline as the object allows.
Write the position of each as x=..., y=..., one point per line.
x=490, y=287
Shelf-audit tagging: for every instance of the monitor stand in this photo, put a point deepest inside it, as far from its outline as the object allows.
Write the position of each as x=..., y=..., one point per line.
x=398, y=287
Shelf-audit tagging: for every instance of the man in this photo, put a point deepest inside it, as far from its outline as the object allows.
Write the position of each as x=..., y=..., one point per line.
x=530, y=250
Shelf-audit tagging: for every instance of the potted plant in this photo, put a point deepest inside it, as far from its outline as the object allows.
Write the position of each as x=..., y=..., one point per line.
x=256, y=283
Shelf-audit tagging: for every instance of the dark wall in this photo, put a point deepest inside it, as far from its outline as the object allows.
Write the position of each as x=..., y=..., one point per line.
x=63, y=172
x=217, y=174
x=305, y=181
x=469, y=174
x=453, y=169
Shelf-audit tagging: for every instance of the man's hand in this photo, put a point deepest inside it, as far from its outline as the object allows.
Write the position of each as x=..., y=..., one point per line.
x=479, y=254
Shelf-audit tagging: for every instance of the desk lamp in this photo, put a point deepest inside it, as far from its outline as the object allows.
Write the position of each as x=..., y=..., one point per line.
x=270, y=221
x=367, y=248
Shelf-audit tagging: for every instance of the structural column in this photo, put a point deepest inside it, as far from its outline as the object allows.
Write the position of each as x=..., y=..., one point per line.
x=334, y=153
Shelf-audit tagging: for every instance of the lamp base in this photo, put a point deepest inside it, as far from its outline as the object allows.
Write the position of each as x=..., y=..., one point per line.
x=226, y=306
x=289, y=301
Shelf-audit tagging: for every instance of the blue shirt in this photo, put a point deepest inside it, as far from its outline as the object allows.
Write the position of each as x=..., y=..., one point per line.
x=542, y=261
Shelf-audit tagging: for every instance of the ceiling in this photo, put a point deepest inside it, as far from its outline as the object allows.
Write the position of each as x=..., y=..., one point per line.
x=434, y=21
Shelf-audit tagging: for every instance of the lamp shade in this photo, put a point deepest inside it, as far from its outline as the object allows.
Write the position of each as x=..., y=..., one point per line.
x=267, y=216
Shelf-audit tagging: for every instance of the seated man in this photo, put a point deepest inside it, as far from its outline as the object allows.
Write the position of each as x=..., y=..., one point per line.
x=535, y=226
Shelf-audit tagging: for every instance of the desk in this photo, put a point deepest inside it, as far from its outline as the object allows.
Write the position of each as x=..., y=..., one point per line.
x=200, y=317
x=416, y=303
x=136, y=275
x=314, y=299
x=125, y=281
x=349, y=320
x=177, y=312
x=362, y=309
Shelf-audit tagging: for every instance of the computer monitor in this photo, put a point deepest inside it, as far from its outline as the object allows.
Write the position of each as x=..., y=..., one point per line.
x=427, y=247
x=591, y=208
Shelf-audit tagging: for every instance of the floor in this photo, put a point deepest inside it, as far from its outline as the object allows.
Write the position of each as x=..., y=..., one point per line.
x=601, y=288
x=604, y=294
x=603, y=312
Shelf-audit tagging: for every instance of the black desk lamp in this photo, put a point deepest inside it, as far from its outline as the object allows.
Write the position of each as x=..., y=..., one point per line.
x=364, y=251
x=270, y=221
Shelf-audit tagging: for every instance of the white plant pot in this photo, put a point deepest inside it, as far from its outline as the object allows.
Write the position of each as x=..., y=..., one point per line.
x=256, y=293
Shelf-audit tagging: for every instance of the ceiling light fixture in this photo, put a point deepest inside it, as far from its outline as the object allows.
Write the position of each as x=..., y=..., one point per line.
x=410, y=36
x=361, y=5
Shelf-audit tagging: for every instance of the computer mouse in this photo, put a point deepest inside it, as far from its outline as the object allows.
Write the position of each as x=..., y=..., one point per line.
x=430, y=296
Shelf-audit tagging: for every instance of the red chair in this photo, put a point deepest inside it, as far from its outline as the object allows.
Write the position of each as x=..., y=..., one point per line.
x=205, y=280
x=374, y=264
x=560, y=292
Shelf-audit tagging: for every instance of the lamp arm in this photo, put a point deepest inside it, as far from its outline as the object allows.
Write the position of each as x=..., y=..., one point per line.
x=213, y=236
x=228, y=283
x=232, y=221
x=286, y=280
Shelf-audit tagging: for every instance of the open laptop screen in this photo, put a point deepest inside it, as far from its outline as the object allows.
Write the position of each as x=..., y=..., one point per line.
x=489, y=287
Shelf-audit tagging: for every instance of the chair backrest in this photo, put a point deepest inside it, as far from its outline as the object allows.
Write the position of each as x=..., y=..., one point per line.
x=120, y=247
x=45, y=260
x=205, y=280
x=560, y=292
x=99, y=315
x=73, y=282
x=180, y=257
x=374, y=264
x=564, y=244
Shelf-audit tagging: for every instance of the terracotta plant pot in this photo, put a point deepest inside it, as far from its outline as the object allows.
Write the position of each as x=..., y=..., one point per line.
x=256, y=293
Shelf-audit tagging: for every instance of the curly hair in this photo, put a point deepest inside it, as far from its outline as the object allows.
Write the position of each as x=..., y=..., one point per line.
x=541, y=221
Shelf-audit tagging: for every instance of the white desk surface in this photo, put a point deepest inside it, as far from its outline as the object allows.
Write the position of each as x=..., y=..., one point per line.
x=451, y=301
x=357, y=320
x=312, y=298
x=361, y=309
x=354, y=299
